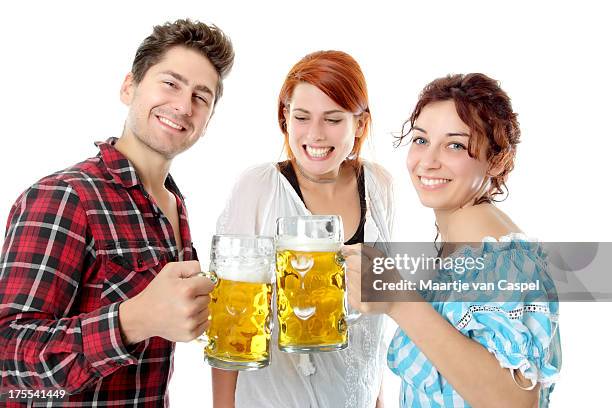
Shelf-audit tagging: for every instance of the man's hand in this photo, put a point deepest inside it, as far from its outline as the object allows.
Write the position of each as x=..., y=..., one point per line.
x=173, y=306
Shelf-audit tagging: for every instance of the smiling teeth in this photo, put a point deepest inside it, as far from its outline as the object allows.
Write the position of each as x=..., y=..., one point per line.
x=318, y=151
x=170, y=123
x=433, y=182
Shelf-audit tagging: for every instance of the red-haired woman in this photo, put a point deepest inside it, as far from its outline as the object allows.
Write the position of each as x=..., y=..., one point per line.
x=324, y=115
x=462, y=349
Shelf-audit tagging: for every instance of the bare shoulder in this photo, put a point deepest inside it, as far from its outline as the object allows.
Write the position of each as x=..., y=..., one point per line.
x=472, y=224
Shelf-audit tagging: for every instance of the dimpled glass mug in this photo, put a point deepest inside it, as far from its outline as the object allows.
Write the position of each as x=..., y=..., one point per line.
x=310, y=282
x=238, y=337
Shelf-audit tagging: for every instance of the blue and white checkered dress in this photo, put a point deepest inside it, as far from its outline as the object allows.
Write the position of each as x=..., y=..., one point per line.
x=523, y=334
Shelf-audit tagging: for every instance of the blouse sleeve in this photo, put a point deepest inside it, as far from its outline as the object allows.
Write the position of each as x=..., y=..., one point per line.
x=380, y=192
x=242, y=213
x=523, y=334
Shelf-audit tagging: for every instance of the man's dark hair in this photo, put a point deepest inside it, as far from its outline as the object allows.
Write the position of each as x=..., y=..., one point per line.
x=209, y=40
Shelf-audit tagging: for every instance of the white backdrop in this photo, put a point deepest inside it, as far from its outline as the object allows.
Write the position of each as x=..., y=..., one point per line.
x=62, y=65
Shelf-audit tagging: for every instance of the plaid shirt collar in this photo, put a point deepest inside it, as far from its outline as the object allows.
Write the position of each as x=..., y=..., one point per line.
x=122, y=171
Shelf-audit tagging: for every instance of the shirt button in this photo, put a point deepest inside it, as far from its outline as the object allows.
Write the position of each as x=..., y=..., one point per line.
x=139, y=262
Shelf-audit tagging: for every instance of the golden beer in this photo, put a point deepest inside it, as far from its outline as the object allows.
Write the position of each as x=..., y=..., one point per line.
x=240, y=310
x=311, y=300
x=239, y=328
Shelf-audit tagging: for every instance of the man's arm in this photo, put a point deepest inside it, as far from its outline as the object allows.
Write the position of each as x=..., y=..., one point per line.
x=43, y=259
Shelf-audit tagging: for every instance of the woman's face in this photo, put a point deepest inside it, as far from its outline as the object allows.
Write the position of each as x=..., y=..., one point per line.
x=321, y=133
x=444, y=175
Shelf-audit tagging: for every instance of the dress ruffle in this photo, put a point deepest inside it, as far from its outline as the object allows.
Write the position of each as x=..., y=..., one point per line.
x=520, y=331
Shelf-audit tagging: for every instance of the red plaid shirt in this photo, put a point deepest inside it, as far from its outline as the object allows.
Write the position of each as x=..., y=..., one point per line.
x=78, y=243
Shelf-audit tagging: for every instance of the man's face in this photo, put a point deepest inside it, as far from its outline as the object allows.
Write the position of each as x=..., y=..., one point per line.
x=171, y=106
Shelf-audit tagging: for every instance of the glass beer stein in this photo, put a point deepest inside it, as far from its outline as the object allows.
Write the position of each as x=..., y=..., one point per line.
x=238, y=337
x=310, y=283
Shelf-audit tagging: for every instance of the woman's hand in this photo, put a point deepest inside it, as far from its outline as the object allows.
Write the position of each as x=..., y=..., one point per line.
x=359, y=259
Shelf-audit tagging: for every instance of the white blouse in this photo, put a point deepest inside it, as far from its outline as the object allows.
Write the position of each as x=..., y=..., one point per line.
x=349, y=378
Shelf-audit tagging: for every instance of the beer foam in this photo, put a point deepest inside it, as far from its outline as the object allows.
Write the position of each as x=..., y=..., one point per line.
x=256, y=270
x=307, y=244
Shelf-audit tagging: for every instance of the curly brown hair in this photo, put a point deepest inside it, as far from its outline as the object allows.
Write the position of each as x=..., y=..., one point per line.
x=210, y=41
x=486, y=109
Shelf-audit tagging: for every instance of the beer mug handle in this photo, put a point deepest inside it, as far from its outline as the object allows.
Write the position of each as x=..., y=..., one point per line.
x=210, y=275
x=203, y=338
x=352, y=315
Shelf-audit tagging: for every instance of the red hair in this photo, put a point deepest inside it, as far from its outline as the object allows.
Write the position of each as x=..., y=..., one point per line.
x=339, y=77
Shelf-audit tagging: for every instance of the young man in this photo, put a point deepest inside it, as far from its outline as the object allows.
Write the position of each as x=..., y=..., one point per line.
x=98, y=276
